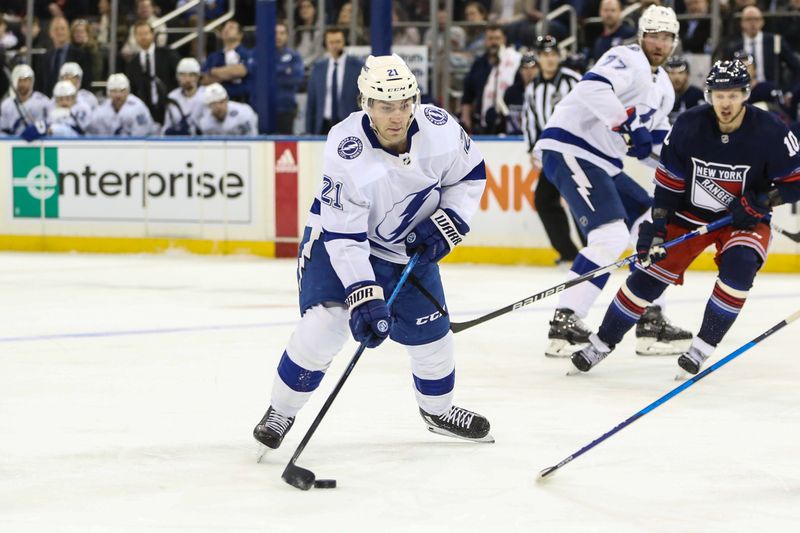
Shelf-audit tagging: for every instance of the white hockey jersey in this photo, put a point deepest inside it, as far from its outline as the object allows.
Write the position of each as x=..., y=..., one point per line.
x=370, y=198
x=241, y=120
x=38, y=107
x=70, y=122
x=192, y=108
x=88, y=99
x=132, y=120
x=582, y=122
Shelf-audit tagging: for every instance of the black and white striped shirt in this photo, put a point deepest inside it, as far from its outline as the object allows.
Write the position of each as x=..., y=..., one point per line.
x=541, y=97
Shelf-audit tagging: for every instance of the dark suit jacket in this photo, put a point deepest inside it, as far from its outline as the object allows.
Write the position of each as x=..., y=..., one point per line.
x=166, y=64
x=348, y=99
x=696, y=42
x=774, y=66
x=46, y=80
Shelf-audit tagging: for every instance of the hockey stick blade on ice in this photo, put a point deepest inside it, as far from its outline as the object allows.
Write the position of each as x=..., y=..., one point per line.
x=794, y=237
x=550, y=470
x=599, y=271
x=300, y=477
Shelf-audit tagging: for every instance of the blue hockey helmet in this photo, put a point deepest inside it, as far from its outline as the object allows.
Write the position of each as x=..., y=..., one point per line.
x=727, y=75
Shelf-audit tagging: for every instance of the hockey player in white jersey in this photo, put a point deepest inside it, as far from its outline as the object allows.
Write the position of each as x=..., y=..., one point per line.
x=388, y=172
x=36, y=106
x=72, y=72
x=621, y=106
x=69, y=117
x=122, y=114
x=223, y=117
x=185, y=103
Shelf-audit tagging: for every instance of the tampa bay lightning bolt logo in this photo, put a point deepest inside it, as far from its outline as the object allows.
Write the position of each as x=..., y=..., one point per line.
x=350, y=148
x=383, y=326
x=436, y=116
x=402, y=215
x=645, y=113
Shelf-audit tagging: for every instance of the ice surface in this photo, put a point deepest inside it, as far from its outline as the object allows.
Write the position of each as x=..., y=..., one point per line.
x=129, y=386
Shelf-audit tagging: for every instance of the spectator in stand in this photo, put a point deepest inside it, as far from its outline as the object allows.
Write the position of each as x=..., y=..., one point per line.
x=48, y=65
x=82, y=38
x=475, y=102
x=686, y=96
x=290, y=73
x=305, y=43
x=789, y=27
x=695, y=33
x=122, y=114
x=144, y=13
x=73, y=73
x=69, y=118
x=152, y=71
x=222, y=117
x=615, y=31
x=68, y=9
x=406, y=35
x=101, y=28
x=515, y=95
x=233, y=66
x=771, y=52
x=37, y=106
x=475, y=13
x=766, y=91
x=185, y=103
x=345, y=16
x=8, y=41
x=332, y=86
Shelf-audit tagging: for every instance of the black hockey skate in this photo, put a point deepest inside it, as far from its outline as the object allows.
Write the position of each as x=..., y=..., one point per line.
x=586, y=358
x=692, y=360
x=272, y=428
x=459, y=423
x=656, y=336
x=567, y=334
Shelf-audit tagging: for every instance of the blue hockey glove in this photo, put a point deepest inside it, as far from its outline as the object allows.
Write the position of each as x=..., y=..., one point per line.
x=748, y=210
x=648, y=245
x=370, y=321
x=34, y=131
x=436, y=236
x=637, y=137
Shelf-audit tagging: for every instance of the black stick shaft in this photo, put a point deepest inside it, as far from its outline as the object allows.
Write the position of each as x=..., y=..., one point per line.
x=300, y=447
x=461, y=326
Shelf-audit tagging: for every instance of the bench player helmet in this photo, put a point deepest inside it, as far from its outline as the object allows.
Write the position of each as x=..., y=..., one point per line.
x=20, y=72
x=676, y=64
x=389, y=79
x=659, y=18
x=727, y=75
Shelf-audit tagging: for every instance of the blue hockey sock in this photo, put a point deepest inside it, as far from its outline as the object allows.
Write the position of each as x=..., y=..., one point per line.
x=628, y=306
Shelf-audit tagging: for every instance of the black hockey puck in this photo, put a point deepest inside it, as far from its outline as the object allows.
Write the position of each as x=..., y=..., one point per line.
x=325, y=484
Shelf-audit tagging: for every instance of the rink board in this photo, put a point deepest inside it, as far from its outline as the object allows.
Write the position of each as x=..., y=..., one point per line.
x=246, y=196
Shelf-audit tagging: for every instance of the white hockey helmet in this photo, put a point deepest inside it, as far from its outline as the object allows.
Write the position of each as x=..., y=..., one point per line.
x=70, y=68
x=64, y=88
x=387, y=78
x=659, y=18
x=20, y=72
x=188, y=65
x=214, y=93
x=118, y=82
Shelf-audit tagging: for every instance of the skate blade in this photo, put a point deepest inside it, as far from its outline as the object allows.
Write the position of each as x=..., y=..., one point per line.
x=682, y=375
x=647, y=346
x=261, y=452
x=561, y=348
x=439, y=431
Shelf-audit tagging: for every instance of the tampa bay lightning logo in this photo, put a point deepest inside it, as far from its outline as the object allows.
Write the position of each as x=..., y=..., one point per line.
x=350, y=148
x=402, y=215
x=382, y=325
x=436, y=116
x=645, y=113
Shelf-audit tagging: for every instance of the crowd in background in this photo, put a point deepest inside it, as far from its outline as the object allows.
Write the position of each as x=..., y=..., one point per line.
x=156, y=91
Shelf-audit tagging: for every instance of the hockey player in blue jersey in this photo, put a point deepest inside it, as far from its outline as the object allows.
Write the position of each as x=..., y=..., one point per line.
x=727, y=157
x=621, y=106
x=388, y=172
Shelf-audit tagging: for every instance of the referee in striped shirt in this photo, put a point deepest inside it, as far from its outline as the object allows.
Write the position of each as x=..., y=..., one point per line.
x=541, y=96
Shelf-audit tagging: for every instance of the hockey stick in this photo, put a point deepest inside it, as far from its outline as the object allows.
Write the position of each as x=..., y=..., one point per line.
x=303, y=478
x=794, y=237
x=674, y=392
x=597, y=272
